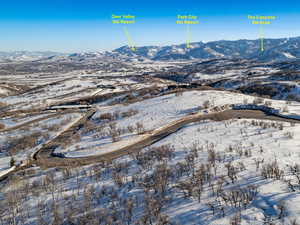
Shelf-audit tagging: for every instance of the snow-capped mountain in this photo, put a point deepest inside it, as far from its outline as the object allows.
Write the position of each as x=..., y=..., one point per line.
x=274, y=50
x=283, y=49
x=27, y=55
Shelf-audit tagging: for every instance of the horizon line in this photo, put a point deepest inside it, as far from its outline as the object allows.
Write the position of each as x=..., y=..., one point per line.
x=137, y=46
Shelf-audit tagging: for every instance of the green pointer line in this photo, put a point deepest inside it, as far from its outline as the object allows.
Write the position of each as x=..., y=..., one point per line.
x=189, y=35
x=261, y=38
x=130, y=41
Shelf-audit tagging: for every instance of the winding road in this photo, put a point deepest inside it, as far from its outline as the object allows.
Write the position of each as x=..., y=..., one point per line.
x=45, y=157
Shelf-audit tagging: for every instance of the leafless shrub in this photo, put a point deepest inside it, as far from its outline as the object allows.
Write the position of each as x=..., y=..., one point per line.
x=282, y=210
x=128, y=205
x=241, y=166
x=40, y=213
x=56, y=215
x=190, y=162
x=212, y=156
x=212, y=207
x=240, y=197
x=159, y=180
x=266, y=125
x=295, y=170
x=12, y=205
x=231, y=172
x=202, y=175
x=239, y=151
x=67, y=173
x=130, y=128
x=236, y=219
x=194, y=185
x=290, y=185
x=229, y=148
x=248, y=153
x=12, y=162
x=186, y=187
x=195, y=148
x=152, y=211
x=281, y=126
x=100, y=132
x=271, y=170
x=139, y=128
x=258, y=162
x=164, y=220
x=114, y=132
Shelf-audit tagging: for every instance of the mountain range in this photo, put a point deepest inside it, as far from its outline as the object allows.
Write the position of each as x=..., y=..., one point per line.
x=281, y=49
x=27, y=55
x=274, y=50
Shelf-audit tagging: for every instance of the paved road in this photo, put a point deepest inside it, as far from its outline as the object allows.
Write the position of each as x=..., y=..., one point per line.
x=44, y=156
x=47, y=159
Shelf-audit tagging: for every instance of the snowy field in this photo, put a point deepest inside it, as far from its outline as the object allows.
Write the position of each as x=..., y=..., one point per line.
x=40, y=132
x=15, y=121
x=268, y=144
x=72, y=87
x=238, y=143
x=156, y=112
x=236, y=171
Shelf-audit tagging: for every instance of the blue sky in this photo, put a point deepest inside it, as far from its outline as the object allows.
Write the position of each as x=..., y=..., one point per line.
x=73, y=25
